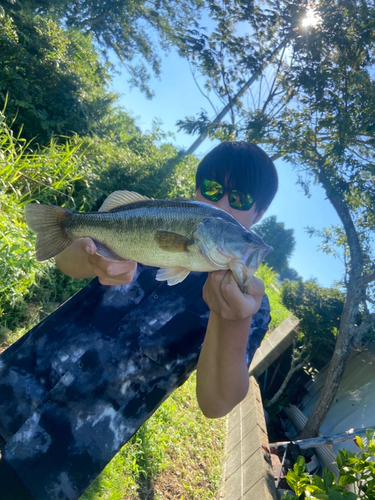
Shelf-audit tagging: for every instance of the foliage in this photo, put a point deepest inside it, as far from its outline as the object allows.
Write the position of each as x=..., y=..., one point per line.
x=142, y=162
x=318, y=308
x=53, y=79
x=50, y=175
x=278, y=311
x=247, y=39
x=78, y=174
x=313, y=106
x=281, y=239
x=177, y=452
x=356, y=469
x=134, y=30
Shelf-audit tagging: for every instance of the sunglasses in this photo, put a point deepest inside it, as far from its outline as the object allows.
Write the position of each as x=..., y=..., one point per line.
x=213, y=191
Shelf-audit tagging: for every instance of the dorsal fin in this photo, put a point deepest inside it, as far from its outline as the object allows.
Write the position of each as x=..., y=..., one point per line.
x=120, y=198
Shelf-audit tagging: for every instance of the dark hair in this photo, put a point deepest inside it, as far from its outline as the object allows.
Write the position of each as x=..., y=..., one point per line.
x=242, y=166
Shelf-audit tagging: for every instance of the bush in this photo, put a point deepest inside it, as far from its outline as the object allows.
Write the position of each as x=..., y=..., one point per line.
x=48, y=175
x=357, y=469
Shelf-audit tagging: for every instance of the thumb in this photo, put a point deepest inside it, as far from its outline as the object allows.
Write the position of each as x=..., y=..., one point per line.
x=88, y=246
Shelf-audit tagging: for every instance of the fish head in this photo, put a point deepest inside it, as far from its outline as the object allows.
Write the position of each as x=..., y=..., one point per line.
x=229, y=245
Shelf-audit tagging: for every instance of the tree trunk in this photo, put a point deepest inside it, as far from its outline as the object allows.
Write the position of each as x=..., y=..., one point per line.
x=331, y=385
x=340, y=356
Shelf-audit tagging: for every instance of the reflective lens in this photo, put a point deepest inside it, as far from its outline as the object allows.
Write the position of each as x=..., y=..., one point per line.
x=213, y=191
x=239, y=200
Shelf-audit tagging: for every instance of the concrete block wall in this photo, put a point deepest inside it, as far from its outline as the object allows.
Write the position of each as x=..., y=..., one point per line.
x=273, y=346
x=248, y=471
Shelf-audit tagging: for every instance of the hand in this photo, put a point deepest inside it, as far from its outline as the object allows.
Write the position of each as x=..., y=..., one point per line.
x=223, y=296
x=109, y=272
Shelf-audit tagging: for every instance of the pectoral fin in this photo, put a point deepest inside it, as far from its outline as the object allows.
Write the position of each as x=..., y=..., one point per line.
x=172, y=275
x=172, y=242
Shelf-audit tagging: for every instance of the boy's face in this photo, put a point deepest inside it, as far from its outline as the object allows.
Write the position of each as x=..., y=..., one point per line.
x=247, y=217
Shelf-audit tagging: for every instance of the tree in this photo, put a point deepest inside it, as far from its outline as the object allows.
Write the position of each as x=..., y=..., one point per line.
x=248, y=39
x=318, y=114
x=134, y=30
x=52, y=72
x=52, y=79
x=281, y=239
x=319, y=310
x=328, y=132
x=289, y=274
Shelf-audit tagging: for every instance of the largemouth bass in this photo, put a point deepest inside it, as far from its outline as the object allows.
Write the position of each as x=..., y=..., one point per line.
x=176, y=236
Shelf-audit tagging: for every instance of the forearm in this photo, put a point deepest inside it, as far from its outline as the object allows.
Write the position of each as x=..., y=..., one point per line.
x=73, y=261
x=222, y=375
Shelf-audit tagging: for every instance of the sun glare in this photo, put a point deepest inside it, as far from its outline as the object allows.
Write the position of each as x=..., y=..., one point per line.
x=311, y=19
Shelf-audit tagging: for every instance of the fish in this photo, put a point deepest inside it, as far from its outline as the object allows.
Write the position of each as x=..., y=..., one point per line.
x=177, y=236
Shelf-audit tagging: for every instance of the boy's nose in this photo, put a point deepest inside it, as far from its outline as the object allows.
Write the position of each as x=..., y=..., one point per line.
x=223, y=203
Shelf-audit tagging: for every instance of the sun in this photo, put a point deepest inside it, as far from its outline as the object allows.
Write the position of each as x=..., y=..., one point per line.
x=311, y=18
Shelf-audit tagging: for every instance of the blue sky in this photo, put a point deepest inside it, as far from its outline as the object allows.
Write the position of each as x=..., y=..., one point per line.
x=177, y=96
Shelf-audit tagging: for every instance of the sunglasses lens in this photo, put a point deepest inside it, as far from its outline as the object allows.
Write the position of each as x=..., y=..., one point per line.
x=212, y=190
x=240, y=201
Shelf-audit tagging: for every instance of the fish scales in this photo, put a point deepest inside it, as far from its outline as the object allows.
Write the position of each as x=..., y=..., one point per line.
x=177, y=236
x=130, y=232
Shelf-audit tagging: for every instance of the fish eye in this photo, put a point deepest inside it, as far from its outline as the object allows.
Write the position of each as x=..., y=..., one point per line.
x=248, y=237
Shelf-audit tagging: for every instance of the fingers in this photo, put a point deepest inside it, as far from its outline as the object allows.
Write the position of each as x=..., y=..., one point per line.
x=109, y=272
x=224, y=297
x=256, y=287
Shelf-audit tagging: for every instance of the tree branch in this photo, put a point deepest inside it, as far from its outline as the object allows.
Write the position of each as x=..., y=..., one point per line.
x=315, y=442
x=226, y=108
x=364, y=327
x=92, y=20
x=367, y=279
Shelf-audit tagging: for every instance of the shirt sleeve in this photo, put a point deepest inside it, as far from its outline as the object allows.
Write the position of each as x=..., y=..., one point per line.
x=259, y=328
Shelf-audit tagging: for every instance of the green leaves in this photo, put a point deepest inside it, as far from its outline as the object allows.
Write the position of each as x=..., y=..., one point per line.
x=297, y=478
x=281, y=239
x=269, y=278
x=319, y=310
x=357, y=469
x=133, y=30
x=54, y=79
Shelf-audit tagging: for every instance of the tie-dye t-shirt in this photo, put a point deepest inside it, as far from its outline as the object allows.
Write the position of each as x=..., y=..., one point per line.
x=76, y=387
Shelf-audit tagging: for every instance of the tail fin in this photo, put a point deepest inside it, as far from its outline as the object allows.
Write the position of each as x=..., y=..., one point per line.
x=46, y=221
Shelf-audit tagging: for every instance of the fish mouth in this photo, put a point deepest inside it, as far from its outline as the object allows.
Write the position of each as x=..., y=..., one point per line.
x=252, y=261
x=255, y=257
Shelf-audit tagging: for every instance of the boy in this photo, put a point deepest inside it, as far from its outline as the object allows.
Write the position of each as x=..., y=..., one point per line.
x=79, y=385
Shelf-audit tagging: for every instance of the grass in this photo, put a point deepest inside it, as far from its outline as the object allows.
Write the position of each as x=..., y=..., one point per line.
x=177, y=454
x=278, y=311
